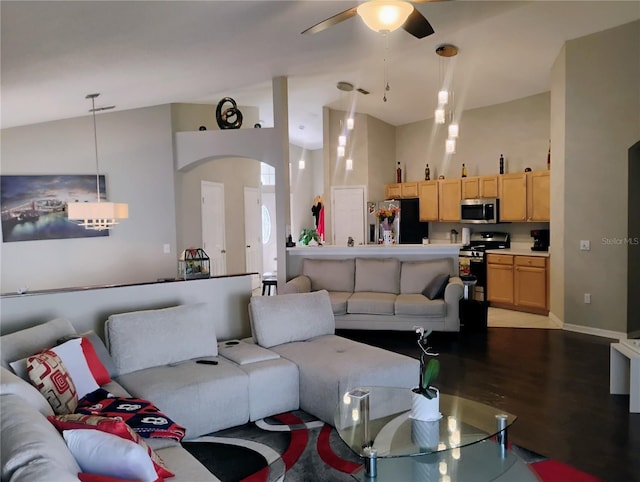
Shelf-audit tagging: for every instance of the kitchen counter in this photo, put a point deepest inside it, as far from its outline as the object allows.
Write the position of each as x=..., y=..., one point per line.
x=517, y=251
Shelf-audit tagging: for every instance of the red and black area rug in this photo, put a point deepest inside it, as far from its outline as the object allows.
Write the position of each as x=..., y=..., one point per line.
x=302, y=449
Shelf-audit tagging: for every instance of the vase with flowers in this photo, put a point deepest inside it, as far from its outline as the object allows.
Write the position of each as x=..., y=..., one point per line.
x=386, y=216
x=425, y=397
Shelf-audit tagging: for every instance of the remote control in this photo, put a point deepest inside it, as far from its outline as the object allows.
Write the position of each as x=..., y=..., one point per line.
x=207, y=362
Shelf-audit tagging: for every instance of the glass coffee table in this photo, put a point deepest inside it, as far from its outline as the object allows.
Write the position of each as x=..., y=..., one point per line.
x=376, y=423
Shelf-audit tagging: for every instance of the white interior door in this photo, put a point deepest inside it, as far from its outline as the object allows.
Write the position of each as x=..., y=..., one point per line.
x=213, y=226
x=252, y=234
x=348, y=214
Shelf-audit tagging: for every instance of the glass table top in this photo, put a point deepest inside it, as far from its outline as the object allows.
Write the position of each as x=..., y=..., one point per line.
x=379, y=418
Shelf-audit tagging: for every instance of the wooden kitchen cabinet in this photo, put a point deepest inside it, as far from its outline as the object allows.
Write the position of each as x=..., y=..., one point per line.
x=513, y=197
x=479, y=187
x=530, y=282
x=518, y=282
x=470, y=187
x=538, y=196
x=409, y=190
x=449, y=196
x=500, y=278
x=488, y=186
x=393, y=191
x=428, y=200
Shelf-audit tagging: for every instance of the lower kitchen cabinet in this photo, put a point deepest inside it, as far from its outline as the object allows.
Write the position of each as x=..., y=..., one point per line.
x=500, y=278
x=530, y=281
x=518, y=282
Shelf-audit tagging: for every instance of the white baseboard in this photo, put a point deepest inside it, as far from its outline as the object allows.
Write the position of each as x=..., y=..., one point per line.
x=616, y=335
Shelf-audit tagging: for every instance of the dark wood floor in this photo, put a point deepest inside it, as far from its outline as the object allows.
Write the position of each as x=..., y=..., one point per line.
x=555, y=381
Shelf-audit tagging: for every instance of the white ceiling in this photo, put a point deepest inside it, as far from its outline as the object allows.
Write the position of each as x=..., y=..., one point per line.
x=144, y=53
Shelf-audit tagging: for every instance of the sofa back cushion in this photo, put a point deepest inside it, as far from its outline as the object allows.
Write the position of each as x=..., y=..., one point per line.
x=294, y=317
x=144, y=339
x=30, y=341
x=415, y=276
x=378, y=275
x=329, y=274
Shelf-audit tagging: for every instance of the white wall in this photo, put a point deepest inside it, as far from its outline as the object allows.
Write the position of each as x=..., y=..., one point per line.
x=602, y=101
x=136, y=155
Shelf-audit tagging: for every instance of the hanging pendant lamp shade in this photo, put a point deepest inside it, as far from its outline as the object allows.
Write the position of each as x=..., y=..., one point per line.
x=384, y=15
x=99, y=215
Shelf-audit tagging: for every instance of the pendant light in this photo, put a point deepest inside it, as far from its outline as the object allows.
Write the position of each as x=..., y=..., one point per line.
x=99, y=215
x=446, y=98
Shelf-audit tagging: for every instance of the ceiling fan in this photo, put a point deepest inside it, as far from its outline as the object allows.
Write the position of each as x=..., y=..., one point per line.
x=382, y=16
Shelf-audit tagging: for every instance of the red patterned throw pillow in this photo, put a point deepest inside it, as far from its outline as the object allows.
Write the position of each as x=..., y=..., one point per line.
x=49, y=375
x=113, y=426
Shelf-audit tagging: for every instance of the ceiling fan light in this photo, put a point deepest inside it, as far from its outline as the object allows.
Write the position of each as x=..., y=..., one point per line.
x=384, y=15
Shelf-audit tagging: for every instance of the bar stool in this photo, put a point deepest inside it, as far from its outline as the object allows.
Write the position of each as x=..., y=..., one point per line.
x=269, y=280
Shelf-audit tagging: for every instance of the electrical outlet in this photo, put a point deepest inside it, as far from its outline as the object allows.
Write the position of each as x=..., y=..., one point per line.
x=587, y=298
x=585, y=245
x=166, y=248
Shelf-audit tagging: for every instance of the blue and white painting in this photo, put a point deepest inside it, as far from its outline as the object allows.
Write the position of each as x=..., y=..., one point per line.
x=35, y=207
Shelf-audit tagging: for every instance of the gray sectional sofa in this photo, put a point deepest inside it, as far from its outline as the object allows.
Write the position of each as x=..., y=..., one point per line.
x=385, y=293
x=294, y=360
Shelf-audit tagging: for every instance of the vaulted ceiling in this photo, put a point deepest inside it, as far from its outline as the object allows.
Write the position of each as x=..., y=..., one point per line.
x=143, y=53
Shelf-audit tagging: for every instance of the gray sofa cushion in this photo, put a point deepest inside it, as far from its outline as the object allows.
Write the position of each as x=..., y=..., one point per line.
x=144, y=339
x=329, y=274
x=419, y=305
x=344, y=364
x=435, y=289
x=415, y=276
x=27, y=438
x=371, y=303
x=30, y=341
x=378, y=275
x=293, y=317
x=201, y=398
x=339, y=301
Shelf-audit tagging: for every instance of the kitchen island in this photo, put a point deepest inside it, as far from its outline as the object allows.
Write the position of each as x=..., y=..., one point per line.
x=403, y=252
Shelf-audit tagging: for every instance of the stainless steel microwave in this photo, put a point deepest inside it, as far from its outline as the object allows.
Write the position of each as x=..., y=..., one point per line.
x=479, y=211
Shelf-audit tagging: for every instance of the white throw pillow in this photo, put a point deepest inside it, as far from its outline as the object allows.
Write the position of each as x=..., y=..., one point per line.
x=70, y=352
x=105, y=454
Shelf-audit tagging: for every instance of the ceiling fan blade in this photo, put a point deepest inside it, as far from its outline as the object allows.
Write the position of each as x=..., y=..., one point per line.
x=331, y=21
x=417, y=25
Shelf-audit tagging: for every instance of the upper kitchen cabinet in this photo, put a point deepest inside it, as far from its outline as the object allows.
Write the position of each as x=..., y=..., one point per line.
x=479, y=187
x=428, y=197
x=393, y=191
x=538, y=196
x=513, y=197
x=409, y=190
x=449, y=196
x=524, y=196
x=488, y=186
x=401, y=190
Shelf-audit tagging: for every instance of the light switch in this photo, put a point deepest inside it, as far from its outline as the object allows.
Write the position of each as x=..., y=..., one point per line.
x=166, y=248
x=585, y=245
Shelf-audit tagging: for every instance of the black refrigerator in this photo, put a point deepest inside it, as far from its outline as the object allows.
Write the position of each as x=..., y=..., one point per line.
x=412, y=230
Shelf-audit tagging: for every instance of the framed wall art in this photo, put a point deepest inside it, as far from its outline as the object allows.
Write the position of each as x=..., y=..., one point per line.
x=35, y=207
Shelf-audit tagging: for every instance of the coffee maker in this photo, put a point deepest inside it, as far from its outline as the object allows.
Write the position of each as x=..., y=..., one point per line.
x=540, y=240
